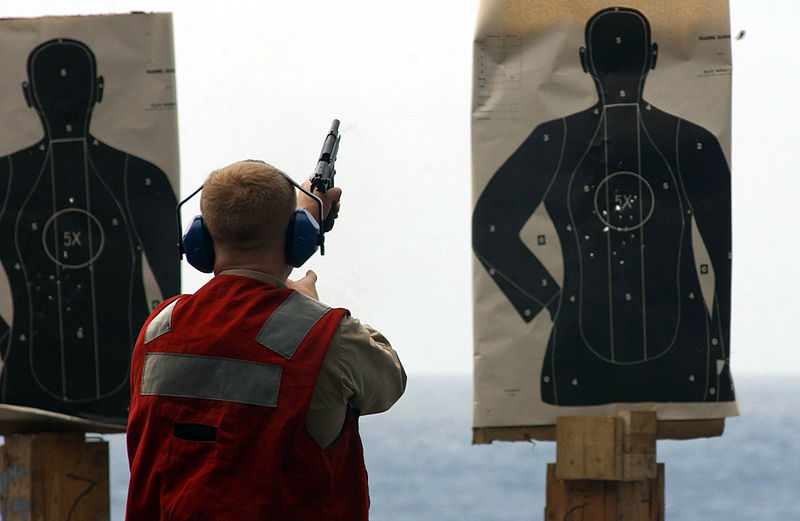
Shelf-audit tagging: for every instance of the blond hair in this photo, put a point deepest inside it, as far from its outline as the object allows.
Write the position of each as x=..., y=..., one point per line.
x=247, y=205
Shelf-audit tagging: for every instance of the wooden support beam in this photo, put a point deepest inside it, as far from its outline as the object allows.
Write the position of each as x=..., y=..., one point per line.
x=599, y=500
x=638, y=445
x=589, y=447
x=667, y=429
x=486, y=435
x=606, y=466
x=606, y=469
x=54, y=477
x=690, y=429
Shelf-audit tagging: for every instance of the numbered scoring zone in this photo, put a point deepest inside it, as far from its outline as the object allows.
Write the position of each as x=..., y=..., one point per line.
x=73, y=238
x=624, y=201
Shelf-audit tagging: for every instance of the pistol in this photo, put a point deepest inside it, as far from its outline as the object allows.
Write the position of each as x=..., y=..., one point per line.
x=326, y=168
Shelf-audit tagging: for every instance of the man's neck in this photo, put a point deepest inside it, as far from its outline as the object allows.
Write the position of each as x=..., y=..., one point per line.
x=258, y=275
x=273, y=265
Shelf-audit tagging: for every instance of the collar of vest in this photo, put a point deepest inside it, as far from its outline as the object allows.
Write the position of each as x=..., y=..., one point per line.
x=258, y=275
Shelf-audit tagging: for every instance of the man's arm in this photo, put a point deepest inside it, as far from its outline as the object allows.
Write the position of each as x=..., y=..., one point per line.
x=368, y=368
x=360, y=370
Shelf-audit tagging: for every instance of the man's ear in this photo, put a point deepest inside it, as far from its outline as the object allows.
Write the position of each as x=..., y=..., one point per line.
x=26, y=91
x=653, y=55
x=100, y=84
x=583, y=59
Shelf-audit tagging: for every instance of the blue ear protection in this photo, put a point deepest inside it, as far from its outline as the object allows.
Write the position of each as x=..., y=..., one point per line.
x=198, y=247
x=302, y=237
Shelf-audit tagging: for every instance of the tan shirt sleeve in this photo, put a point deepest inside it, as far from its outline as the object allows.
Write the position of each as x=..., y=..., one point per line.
x=360, y=369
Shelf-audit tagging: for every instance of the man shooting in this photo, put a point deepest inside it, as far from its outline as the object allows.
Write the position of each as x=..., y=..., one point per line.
x=245, y=395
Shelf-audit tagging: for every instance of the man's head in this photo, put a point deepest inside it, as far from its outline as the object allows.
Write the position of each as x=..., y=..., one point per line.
x=247, y=207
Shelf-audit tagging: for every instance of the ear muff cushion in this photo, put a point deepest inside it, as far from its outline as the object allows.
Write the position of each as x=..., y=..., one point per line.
x=198, y=246
x=301, y=238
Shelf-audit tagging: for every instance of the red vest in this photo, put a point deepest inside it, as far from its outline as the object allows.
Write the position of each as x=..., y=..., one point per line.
x=221, y=383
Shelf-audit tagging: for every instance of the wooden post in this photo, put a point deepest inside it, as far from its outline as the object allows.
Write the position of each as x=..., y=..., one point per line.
x=606, y=469
x=54, y=477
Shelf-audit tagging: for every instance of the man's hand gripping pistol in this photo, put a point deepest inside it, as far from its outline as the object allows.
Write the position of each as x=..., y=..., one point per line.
x=326, y=169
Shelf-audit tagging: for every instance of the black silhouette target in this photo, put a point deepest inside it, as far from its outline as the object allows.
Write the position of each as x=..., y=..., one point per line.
x=639, y=202
x=83, y=222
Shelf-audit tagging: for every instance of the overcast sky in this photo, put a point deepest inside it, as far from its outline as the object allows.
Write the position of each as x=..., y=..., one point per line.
x=263, y=80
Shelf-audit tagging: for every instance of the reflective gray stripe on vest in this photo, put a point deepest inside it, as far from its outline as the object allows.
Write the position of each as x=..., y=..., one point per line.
x=210, y=378
x=286, y=328
x=161, y=323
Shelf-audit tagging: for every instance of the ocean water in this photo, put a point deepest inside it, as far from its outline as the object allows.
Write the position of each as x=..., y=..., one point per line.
x=423, y=467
